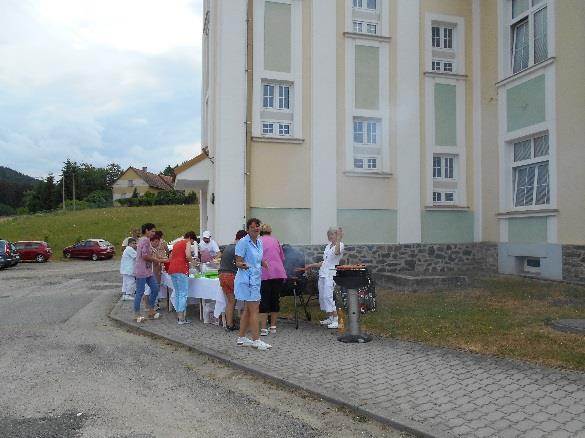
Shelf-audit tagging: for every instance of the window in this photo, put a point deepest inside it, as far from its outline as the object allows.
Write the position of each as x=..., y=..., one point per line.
x=267, y=128
x=130, y=183
x=442, y=66
x=528, y=33
x=443, y=197
x=371, y=28
x=443, y=167
x=530, y=171
x=442, y=37
x=358, y=26
x=531, y=265
x=279, y=128
x=366, y=147
x=283, y=129
x=365, y=4
x=268, y=99
x=268, y=96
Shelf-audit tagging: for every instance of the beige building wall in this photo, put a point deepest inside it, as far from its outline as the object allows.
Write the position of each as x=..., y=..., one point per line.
x=570, y=107
x=489, y=120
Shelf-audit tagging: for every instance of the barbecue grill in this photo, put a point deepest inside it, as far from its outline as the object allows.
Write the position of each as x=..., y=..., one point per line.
x=300, y=284
x=352, y=278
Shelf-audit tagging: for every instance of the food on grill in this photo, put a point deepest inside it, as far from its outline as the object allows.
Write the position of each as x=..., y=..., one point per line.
x=358, y=267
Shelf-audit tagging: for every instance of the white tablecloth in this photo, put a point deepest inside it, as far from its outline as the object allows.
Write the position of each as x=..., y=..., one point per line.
x=205, y=288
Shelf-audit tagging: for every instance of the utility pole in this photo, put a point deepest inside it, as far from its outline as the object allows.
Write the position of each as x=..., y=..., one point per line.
x=73, y=173
x=63, y=185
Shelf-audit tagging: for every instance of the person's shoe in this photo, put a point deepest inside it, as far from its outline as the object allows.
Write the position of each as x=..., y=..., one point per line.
x=153, y=315
x=261, y=345
x=326, y=321
x=333, y=325
x=263, y=332
x=230, y=328
x=127, y=298
x=273, y=330
x=245, y=342
x=183, y=321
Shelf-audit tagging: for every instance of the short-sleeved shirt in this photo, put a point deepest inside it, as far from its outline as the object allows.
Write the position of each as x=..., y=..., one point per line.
x=143, y=268
x=252, y=254
x=128, y=261
x=330, y=260
x=208, y=250
x=274, y=255
x=179, y=263
x=228, y=259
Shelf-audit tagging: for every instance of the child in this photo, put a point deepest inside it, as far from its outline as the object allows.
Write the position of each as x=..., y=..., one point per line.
x=127, y=270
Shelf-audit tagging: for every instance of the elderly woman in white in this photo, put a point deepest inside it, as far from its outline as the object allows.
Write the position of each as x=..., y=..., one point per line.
x=331, y=257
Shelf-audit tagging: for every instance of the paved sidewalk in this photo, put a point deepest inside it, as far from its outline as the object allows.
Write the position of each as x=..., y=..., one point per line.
x=424, y=390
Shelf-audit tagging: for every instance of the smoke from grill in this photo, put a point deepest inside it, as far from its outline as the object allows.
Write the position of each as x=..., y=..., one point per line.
x=293, y=259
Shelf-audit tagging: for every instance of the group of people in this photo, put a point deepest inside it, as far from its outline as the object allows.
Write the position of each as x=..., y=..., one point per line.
x=251, y=275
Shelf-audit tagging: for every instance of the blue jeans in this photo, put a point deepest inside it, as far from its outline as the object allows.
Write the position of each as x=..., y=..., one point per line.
x=140, y=286
x=181, y=287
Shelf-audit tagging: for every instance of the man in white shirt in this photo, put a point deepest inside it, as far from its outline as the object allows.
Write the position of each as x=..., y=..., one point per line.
x=208, y=248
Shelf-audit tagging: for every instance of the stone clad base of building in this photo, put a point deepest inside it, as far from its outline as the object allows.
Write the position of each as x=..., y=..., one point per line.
x=557, y=262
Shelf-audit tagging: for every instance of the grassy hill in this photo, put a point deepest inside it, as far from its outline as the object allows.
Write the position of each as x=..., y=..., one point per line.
x=62, y=229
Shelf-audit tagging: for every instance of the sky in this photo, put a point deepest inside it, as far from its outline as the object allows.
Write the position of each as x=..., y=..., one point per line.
x=99, y=82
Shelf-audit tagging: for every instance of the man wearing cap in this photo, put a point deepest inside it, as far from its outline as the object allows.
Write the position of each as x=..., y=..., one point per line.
x=208, y=248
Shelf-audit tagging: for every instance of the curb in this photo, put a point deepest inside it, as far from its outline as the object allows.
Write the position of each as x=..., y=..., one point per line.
x=400, y=424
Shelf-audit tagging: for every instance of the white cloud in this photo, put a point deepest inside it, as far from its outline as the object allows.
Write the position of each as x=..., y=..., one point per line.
x=99, y=81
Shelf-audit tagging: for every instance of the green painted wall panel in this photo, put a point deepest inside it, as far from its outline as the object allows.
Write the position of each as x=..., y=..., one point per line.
x=526, y=104
x=445, y=115
x=368, y=226
x=527, y=229
x=277, y=37
x=367, y=77
x=289, y=225
x=447, y=226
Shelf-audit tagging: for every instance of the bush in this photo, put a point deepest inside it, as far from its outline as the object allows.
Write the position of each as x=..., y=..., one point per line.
x=99, y=199
x=7, y=210
x=79, y=205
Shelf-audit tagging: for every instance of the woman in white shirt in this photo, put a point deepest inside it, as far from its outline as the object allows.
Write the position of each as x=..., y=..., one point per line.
x=331, y=257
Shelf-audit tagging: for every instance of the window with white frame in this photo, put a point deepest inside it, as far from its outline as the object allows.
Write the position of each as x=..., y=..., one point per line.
x=528, y=33
x=365, y=27
x=366, y=144
x=530, y=171
x=443, y=167
x=282, y=129
x=365, y=4
x=443, y=47
x=443, y=197
x=276, y=96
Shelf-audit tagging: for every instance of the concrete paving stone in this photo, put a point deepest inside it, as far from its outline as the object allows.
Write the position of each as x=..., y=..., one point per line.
x=574, y=426
x=516, y=417
x=525, y=425
x=550, y=425
x=455, y=422
x=494, y=416
x=554, y=409
x=501, y=424
x=535, y=433
x=510, y=408
x=476, y=424
x=546, y=401
x=560, y=434
x=564, y=417
x=488, y=408
x=531, y=409
x=509, y=433
x=485, y=432
x=576, y=409
x=473, y=415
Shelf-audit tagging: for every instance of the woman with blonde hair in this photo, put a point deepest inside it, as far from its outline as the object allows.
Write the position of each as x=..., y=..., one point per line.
x=331, y=257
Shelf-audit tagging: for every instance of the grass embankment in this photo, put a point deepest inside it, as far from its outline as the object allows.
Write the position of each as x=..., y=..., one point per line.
x=61, y=229
x=501, y=316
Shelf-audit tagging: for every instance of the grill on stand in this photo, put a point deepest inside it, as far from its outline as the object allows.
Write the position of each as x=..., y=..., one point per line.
x=352, y=278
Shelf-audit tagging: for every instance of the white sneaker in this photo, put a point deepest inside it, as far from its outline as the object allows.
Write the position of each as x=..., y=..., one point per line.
x=263, y=332
x=333, y=325
x=326, y=321
x=127, y=298
x=245, y=342
x=261, y=345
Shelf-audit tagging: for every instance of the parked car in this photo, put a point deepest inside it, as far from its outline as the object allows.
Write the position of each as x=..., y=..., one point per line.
x=33, y=250
x=93, y=249
x=8, y=254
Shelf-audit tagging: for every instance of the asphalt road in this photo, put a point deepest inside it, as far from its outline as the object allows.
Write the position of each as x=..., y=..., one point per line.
x=69, y=371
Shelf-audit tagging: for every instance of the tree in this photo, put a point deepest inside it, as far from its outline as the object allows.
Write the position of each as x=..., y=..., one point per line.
x=47, y=194
x=169, y=171
x=113, y=172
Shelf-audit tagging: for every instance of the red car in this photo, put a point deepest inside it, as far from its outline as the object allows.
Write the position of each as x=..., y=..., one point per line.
x=93, y=249
x=33, y=250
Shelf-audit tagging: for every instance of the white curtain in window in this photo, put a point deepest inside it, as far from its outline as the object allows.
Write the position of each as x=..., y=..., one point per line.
x=542, y=186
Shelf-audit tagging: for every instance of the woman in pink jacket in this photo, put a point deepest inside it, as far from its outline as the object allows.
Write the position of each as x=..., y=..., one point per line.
x=273, y=278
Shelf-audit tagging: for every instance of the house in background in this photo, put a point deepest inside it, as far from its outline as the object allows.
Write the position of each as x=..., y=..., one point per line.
x=140, y=180
x=425, y=122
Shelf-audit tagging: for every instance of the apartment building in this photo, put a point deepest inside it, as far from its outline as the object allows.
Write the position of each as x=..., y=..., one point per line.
x=404, y=121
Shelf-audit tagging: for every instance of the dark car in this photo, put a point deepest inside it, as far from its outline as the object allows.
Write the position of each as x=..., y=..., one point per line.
x=33, y=250
x=8, y=254
x=93, y=249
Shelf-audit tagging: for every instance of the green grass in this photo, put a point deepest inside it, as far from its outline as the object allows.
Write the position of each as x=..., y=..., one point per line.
x=114, y=224
x=500, y=316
